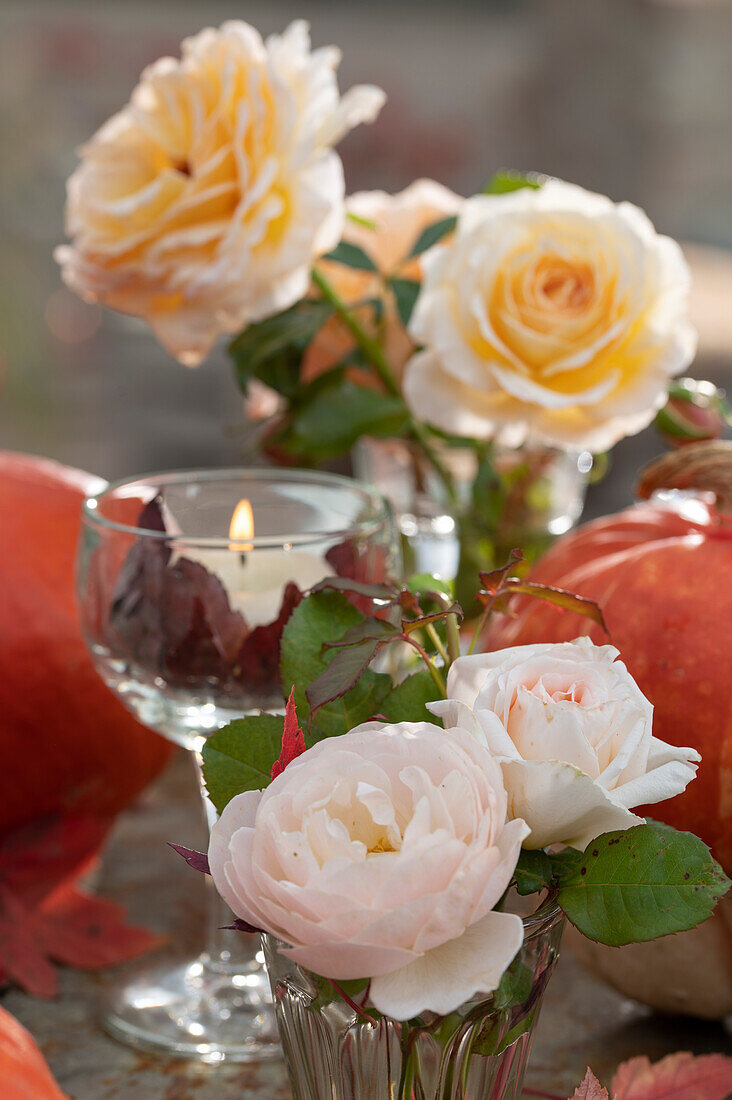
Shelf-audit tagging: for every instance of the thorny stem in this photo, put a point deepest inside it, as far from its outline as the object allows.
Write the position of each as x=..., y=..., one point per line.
x=439, y=467
x=452, y=627
x=453, y=637
x=431, y=667
x=370, y=347
x=482, y=623
x=357, y=1008
x=437, y=643
x=408, y=1038
x=375, y=355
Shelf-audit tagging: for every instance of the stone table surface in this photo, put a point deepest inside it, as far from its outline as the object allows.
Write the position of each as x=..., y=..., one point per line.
x=582, y=1021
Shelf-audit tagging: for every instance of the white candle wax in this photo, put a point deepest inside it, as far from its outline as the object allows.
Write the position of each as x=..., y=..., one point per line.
x=256, y=580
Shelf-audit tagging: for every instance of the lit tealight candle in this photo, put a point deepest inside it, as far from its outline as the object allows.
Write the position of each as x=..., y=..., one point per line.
x=255, y=579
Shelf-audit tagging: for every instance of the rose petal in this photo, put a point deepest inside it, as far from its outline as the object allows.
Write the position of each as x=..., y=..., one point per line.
x=202, y=205
x=448, y=976
x=240, y=813
x=347, y=960
x=552, y=314
x=561, y=805
x=437, y=397
x=554, y=732
x=670, y=770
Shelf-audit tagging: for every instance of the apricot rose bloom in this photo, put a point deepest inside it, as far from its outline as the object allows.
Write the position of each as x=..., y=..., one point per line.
x=387, y=228
x=202, y=205
x=553, y=316
x=573, y=733
x=381, y=854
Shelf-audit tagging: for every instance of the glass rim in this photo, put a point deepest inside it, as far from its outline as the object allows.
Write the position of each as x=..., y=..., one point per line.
x=379, y=508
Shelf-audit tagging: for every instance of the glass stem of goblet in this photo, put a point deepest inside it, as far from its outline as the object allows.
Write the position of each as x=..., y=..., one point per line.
x=226, y=951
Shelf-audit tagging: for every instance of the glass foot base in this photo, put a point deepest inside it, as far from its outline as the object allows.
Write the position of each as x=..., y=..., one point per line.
x=212, y=1013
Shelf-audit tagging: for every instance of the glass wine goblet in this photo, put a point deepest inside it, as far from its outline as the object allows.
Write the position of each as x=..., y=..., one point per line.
x=185, y=583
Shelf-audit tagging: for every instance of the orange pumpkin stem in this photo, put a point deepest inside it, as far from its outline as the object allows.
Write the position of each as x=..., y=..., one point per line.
x=704, y=466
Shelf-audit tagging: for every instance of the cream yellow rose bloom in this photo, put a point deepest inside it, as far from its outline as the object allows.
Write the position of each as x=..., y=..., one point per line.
x=553, y=316
x=386, y=227
x=202, y=205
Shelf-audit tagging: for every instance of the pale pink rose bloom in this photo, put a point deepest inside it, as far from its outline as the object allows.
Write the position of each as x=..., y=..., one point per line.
x=381, y=854
x=573, y=733
x=395, y=222
x=203, y=204
x=552, y=316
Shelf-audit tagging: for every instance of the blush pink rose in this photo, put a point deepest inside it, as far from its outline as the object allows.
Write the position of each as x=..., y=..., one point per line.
x=573, y=733
x=381, y=854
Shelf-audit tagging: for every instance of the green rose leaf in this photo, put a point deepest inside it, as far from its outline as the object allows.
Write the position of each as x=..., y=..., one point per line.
x=641, y=883
x=513, y=991
x=272, y=350
x=406, y=292
x=534, y=871
x=503, y=182
x=339, y=414
x=370, y=630
x=408, y=701
x=523, y=1027
x=320, y=618
x=345, y=670
x=351, y=255
x=564, y=862
x=515, y=985
x=239, y=757
x=433, y=234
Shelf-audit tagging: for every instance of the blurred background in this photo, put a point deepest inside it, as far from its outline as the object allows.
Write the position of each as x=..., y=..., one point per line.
x=629, y=97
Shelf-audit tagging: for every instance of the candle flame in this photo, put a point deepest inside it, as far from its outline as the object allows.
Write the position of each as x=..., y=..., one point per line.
x=242, y=525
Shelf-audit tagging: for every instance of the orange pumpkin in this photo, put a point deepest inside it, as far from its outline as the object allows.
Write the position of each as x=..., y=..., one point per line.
x=662, y=574
x=68, y=744
x=24, y=1074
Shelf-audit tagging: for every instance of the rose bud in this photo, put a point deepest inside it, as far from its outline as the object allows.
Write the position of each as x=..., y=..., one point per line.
x=695, y=411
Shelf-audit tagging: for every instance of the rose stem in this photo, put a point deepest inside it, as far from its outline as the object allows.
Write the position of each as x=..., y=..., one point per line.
x=374, y=353
x=538, y=1092
x=483, y=621
x=453, y=637
x=436, y=641
x=352, y=1004
x=433, y=671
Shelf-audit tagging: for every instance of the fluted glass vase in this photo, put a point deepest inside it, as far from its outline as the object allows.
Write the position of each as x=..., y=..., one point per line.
x=503, y=497
x=337, y=1046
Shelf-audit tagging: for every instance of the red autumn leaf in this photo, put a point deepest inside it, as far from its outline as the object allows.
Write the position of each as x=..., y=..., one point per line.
x=197, y=860
x=174, y=618
x=590, y=1089
x=22, y=958
x=349, y=559
x=293, y=739
x=679, y=1076
x=46, y=918
x=89, y=932
x=258, y=658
